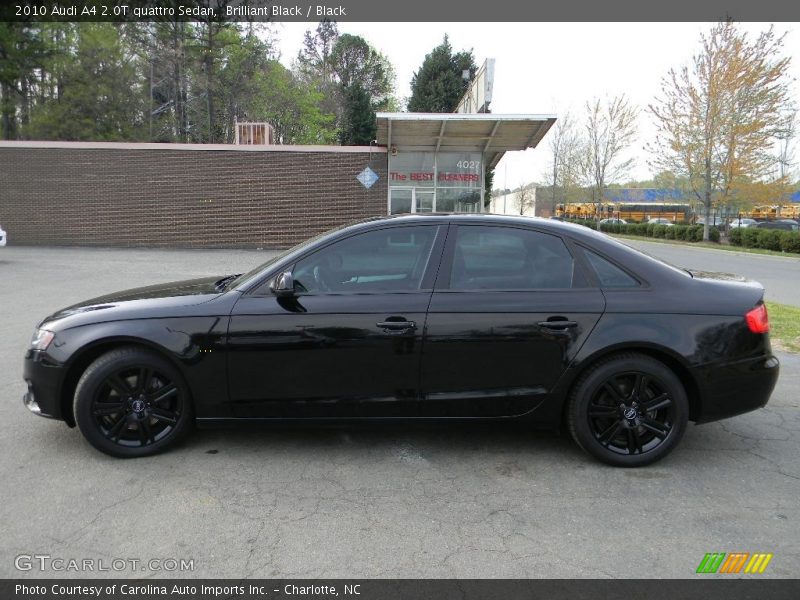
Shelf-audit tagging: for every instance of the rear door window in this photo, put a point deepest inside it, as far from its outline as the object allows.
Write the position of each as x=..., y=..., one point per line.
x=507, y=258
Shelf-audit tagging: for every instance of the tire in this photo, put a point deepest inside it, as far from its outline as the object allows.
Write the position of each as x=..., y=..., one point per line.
x=131, y=402
x=628, y=410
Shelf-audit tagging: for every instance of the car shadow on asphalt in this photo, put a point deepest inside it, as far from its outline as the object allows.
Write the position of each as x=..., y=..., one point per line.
x=406, y=439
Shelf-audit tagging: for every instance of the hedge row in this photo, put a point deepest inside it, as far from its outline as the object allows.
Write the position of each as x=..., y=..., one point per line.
x=689, y=233
x=769, y=239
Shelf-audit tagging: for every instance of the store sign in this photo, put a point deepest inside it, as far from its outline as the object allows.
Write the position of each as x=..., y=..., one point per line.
x=396, y=176
x=442, y=177
x=459, y=177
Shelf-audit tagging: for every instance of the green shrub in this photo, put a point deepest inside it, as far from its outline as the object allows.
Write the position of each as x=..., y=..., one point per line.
x=713, y=235
x=669, y=234
x=790, y=241
x=633, y=229
x=680, y=232
x=750, y=237
x=695, y=233
x=735, y=236
x=650, y=229
x=659, y=231
x=769, y=239
x=590, y=223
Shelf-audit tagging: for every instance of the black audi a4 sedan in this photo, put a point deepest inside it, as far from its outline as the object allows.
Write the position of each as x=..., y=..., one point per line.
x=416, y=317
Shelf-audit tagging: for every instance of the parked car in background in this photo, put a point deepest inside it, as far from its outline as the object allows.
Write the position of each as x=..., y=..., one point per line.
x=742, y=222
x=570, y=329
x=783, y=225
x=790, y=221
x=713, y=221
x=614, y=221
x=3, y=237
x=661, y=221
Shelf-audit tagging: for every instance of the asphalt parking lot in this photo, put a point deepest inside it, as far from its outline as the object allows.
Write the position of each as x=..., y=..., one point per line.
x=452, y=501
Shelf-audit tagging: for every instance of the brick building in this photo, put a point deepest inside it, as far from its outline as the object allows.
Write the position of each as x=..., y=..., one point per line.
x=182, y=195
x=249, y=196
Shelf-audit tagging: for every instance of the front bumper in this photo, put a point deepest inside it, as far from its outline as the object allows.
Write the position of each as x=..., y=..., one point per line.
x=43, y=379
x=734, y=388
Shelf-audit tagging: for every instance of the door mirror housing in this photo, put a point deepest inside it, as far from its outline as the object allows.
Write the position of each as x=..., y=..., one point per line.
x=283, y=284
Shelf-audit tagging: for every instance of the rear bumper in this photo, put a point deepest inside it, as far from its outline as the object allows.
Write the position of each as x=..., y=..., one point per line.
x=734, y=388
x=43, y=379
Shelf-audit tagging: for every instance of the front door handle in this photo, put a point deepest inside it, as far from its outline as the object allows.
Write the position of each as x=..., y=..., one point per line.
x=396, y=325
x=558, y=324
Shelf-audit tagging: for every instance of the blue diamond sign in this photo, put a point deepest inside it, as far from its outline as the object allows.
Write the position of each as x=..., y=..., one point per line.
x=367, y=177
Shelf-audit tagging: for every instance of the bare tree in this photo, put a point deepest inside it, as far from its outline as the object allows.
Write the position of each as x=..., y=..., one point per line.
x=525, y=197
x=563, y=173
x=610, y=129
x=719, y=118
x=786, y=137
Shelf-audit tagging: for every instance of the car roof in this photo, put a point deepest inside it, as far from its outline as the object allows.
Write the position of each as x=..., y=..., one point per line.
x=593, y=239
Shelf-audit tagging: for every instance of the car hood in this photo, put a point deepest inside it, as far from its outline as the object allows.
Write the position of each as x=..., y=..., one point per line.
x=149, y=298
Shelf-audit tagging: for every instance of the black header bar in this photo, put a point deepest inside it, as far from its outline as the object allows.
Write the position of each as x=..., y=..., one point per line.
x=702, y=588
x=449, y=11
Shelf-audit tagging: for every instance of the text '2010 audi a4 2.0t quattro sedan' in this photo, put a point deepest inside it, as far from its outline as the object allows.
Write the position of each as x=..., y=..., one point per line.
x=416, y=317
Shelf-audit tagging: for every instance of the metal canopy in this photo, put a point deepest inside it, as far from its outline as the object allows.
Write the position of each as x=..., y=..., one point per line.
x=491, y=134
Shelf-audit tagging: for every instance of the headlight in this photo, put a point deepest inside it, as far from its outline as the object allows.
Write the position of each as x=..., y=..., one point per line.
x=41, y=339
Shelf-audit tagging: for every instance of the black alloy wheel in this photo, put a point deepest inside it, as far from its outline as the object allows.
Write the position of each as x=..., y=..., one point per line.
x=131, y=402
x=630, y=410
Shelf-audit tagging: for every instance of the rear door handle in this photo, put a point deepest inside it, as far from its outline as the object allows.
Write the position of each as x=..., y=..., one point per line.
x=557, y=324
x=396, y=325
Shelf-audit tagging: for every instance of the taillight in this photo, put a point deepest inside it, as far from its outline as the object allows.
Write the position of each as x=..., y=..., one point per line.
x=757, y=319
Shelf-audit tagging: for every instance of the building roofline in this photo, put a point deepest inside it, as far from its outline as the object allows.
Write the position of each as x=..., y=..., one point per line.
x=193, y=147
x=399, y=116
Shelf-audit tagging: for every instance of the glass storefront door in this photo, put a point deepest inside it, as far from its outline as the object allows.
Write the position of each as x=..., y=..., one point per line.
x=423, y=200
x=401, y=200
x=408, y=200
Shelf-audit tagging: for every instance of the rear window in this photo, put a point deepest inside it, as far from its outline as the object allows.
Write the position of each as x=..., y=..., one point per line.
x=608, y=274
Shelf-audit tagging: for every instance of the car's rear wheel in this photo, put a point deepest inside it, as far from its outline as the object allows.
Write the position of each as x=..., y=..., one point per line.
x=131, y=402
x=629, y=410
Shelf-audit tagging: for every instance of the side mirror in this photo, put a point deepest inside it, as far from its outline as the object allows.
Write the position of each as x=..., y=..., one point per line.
x=283, y=284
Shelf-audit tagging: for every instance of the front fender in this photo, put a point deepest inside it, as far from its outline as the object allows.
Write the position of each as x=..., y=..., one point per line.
x=195, y=345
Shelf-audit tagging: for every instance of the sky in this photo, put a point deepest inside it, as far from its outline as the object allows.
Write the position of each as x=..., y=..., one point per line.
x=549, y=68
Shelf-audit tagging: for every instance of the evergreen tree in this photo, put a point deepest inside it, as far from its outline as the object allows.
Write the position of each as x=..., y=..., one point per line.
x=439, y=84
x=358, y=126
x=22, y=52
x=101, y=95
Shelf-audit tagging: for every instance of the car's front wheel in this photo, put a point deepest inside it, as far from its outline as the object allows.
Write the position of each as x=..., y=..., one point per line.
x=131, y=402
x=629, y=410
